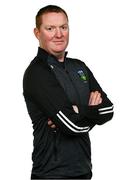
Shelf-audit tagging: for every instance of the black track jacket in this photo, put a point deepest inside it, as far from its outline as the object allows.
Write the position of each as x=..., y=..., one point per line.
x=50, y=89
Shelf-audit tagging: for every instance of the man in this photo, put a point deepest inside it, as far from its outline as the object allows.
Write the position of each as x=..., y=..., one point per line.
x=64, y=102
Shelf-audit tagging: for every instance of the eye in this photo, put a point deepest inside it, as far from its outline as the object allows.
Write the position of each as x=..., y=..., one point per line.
x=64, y=27
x=50, y=28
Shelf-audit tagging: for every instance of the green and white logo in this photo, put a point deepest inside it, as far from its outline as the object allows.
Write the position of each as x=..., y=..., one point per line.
x=82, y=75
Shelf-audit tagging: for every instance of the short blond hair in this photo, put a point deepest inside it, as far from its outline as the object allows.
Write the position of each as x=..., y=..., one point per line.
x=47, y=9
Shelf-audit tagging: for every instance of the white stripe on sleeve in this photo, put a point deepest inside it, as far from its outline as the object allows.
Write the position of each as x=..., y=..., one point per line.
x=71, y=125
x=106, y=108
x=106, y=112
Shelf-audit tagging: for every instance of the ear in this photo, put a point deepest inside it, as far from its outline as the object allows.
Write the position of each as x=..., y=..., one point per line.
x=36, y=33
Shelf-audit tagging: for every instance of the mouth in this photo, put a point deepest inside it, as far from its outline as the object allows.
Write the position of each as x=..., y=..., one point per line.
x=58, y=41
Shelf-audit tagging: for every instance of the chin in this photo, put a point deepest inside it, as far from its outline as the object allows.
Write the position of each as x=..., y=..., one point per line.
x=59, y=49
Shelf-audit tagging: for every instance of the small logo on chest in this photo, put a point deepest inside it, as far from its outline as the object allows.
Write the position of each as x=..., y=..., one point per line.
x=82, y=75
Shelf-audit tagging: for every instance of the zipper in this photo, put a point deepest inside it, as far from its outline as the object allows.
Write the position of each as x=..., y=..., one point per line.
x=55, y=145
x=79, y=101
x=68, y=75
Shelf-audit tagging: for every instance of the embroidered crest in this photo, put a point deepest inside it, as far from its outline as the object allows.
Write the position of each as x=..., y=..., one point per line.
x=82, y=75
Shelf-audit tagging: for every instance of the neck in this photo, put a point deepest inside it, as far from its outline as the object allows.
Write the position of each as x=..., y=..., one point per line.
x=60, y=58
x=58, y=55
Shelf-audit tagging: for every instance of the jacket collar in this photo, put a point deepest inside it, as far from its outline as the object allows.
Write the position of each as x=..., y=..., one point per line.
x=48, y=58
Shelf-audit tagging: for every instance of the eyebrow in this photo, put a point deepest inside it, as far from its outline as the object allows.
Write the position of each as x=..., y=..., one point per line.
x=66, y=24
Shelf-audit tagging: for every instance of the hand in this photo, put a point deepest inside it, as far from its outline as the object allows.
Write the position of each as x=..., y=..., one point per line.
x=51, y=124
x=75, y=108
x=95, y=98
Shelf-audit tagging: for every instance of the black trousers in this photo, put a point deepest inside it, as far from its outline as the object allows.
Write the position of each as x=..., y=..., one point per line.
x=86, y=176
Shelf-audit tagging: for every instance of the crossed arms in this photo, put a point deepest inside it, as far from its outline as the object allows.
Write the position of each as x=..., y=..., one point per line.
x=41, y=86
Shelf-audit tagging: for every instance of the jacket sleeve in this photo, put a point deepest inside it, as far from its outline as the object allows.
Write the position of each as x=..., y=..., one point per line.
x=103, y=112
x=44, y=90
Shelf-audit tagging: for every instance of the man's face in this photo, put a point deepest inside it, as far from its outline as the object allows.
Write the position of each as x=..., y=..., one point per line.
x=53, y=34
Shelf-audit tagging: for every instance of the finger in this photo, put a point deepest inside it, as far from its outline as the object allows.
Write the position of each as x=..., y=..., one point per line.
x=100, y=101
x=91, y=97
x=97, y=99
x=53, y=126
x=50, y=122
x=75, y=108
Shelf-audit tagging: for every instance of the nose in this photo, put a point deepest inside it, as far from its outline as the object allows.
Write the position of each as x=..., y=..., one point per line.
x=58, y=33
